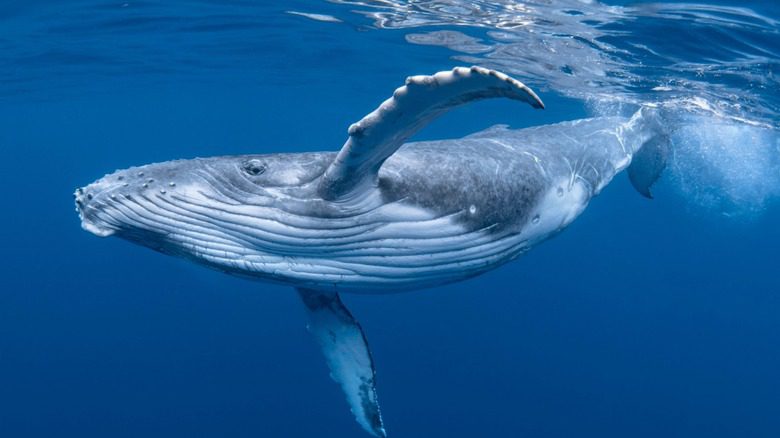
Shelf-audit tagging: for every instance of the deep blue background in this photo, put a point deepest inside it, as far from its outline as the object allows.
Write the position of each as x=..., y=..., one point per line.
x=643, y=319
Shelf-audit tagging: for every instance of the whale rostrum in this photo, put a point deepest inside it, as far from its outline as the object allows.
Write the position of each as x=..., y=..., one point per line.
x=381, y=215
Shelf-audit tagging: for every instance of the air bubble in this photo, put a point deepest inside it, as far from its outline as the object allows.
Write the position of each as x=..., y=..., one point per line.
x=172, y=184
x=473, y=209
x=535, y=220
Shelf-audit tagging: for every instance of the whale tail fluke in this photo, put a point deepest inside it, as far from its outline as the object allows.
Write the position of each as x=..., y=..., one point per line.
x=649, y=163
x=651, y=151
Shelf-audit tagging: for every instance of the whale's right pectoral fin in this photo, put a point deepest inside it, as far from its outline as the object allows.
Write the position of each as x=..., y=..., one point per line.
x=346, y=351
x=423, y=98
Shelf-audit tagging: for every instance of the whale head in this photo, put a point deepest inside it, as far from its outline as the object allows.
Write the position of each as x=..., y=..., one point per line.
x=217, y=210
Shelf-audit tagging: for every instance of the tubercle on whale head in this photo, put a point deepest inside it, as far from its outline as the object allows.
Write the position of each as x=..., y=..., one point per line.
x=149, y=204
x=107, y=205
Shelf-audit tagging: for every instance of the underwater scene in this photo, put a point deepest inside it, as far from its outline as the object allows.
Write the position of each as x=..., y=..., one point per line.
x=421, y=218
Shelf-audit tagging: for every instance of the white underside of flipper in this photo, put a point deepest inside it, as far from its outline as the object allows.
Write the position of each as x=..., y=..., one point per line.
x=346, y=351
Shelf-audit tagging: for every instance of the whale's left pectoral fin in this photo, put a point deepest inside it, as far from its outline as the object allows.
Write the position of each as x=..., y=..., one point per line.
x=423, y=98
x=346, y=351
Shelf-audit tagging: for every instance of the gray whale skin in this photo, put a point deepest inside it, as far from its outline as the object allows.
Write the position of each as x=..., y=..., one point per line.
x=381, y=215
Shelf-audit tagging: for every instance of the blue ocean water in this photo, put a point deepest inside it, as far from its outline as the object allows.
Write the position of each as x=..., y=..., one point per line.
x=643, y=319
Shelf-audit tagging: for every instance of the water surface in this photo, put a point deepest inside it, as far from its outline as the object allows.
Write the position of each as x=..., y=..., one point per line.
x=644, y=319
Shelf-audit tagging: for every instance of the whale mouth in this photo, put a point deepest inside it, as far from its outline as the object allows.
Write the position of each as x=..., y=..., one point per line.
x=96, y=230
x=87, y=214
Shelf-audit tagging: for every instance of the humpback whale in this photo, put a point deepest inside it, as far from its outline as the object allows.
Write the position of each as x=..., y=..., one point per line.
x=381, y=215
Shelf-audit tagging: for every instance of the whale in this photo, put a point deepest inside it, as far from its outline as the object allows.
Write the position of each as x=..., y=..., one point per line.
x=382, y=214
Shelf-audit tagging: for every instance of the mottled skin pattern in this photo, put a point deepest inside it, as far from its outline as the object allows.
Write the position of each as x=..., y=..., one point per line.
x=493, y=189
x=380, y=215
x=489, y=187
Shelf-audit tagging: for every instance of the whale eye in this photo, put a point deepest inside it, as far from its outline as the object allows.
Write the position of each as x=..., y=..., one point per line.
x=253, y=167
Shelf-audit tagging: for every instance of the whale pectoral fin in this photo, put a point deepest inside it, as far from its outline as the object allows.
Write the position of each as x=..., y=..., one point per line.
x=423, y=98
x=648, y=164
x=346, y=351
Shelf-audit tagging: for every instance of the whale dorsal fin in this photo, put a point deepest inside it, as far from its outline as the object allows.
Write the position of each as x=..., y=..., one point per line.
x=423, y=98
